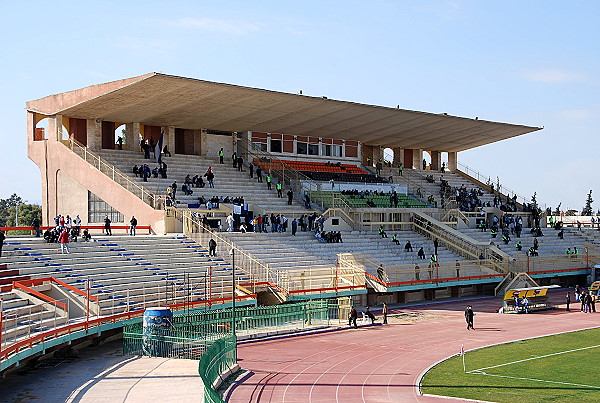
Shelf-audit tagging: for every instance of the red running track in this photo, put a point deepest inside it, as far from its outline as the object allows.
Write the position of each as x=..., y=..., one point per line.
x=383, y=363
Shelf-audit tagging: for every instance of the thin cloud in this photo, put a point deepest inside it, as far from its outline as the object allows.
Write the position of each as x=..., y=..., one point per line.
x=576, y=114
x=140, y=46
x=214, y=25
x=446, y=9
x=552, y=76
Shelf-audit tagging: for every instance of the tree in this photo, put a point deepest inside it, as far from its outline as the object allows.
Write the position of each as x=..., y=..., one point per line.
x=27, y=212
x=587, y=210
x=557, y=211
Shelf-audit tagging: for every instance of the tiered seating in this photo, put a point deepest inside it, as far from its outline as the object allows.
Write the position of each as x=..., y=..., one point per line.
x=321, y=171
x=22, y=317
x=380, y=200
x=311, y=166
x=344, y=177
x=228, y=181
x=416, y=182
x=124, y=272
x=550, y=244
x=304, y=251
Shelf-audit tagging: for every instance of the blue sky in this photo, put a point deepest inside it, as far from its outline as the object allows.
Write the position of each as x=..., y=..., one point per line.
x=527, y=62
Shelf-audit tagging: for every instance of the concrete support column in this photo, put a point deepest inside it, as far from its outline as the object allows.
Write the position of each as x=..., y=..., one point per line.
x=203, y=140
x=94, y=134
x=343, y=148
x=132, y=136
x=436, y=160
x=197, y=135
x=377, y=153
x=169, y=138
x=360, y=153
x=295, y=145
x=417, y=161
x=268, y=142
x=452, y=161
x=55, y=128
x=398, y=156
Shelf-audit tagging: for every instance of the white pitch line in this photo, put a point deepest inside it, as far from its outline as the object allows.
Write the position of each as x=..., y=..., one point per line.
x=537, y=380
x=533, y=358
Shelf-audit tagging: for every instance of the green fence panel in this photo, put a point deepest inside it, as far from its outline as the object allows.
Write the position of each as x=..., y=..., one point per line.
x=217, y=359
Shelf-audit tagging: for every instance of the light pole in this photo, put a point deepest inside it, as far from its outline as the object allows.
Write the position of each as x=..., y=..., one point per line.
x=17, y=213
x=232, y=253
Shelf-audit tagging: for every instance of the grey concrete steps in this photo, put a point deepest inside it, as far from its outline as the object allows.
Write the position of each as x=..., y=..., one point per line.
x=228, y=181
x=550, y=244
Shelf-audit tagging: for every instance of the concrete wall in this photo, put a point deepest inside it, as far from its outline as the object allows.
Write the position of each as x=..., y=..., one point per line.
x=66, y=177
x=72, y=197
x=212, y=143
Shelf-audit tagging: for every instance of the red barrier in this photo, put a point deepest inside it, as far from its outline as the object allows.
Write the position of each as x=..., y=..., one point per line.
x=441, y=280
x=90, y=227
x=556, y=271
x=68, y=329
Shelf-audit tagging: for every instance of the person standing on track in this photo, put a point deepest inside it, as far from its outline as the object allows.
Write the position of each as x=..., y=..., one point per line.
x=568, y=300
x=384, y=311
x=469, y=317
x=352, y=316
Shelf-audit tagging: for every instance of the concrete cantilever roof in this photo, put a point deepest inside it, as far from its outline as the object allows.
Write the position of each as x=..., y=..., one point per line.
x=165, y=100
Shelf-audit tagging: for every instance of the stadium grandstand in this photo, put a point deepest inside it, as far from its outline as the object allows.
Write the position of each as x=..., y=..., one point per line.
x=285, y=198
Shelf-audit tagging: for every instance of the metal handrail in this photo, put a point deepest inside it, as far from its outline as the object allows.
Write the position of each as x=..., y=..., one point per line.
x=485, y=178
x=194, y=227
x=112, y=172
x=460, y=243
x=289, y=176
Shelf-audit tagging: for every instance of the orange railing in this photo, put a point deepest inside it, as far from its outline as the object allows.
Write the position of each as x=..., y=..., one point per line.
x=92, y=323
x=40, y=281
x=38, y=294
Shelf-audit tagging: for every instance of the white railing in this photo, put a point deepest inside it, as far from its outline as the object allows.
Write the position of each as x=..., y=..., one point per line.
x=255, y=268
x=460, y=243
x=289, y=177
x=487, y=180
x=113, y=173
x=32, y=319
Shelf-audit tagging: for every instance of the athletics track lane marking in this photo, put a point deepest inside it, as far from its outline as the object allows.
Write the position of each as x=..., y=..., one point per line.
x=344, y=346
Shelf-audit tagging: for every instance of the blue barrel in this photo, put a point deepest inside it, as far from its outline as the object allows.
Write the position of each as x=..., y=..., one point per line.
x=158, y=323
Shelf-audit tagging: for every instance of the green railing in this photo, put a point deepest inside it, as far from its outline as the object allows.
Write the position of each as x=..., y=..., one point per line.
x=218, y=359
x=207, y=335
x=192, y=332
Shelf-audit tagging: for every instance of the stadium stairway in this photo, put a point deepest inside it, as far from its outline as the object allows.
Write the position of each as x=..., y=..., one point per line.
x=228, y=180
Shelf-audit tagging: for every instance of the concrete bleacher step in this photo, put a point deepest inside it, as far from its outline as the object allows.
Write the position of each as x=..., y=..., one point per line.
x=303, y=251
x=176, y=259
x=228, y=180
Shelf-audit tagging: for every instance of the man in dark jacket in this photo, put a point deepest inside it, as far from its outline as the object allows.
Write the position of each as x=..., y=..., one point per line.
x=107, y=226
x=36, y=226
x=469, y=317
x=2, y=238
x=133, y=224
x=352, y=317
x=212, y=248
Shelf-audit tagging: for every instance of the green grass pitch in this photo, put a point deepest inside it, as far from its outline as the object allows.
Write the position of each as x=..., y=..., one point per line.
x=537, y=370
